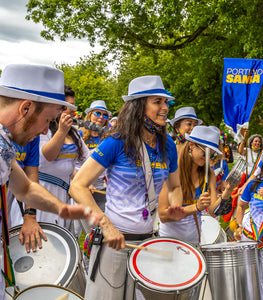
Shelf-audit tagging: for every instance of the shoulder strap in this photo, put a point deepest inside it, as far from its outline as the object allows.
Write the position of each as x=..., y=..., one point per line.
x=147, y=170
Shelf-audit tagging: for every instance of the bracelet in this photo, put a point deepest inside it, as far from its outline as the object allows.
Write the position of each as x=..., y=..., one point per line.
x=239, y=226
x=30, y=211
x=197, y=207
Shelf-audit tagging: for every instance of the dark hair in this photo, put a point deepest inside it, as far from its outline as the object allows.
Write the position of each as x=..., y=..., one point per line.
x=68, y=91
x=176, y=126
x=257, y=181
x=73, y=133
x=129, y=128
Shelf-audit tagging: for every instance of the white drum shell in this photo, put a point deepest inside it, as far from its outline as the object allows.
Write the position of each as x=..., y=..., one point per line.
x=211, y=231
x=161, y=278
x=57, y=263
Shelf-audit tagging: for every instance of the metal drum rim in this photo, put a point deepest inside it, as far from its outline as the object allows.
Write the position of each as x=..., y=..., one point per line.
x=75, y=262
x=178, y=290
x=47, y=285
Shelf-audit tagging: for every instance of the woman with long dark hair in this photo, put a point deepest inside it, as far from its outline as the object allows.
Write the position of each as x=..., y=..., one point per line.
x=139, y=156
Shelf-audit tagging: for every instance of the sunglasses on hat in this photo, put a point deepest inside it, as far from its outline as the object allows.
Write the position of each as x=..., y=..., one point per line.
x=97, y=114
x=212, y=155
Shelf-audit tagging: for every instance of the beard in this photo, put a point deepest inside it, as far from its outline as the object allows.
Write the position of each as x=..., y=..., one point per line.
x=28, y=123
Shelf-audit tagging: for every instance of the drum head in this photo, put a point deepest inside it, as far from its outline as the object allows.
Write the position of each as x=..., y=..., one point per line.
x=55, y=263
x=156, y=272
x=44, y=292
x=237, y=246
x=210, y=230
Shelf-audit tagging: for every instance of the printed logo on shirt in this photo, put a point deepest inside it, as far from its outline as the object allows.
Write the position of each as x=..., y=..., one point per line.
x=154, y=165
x=99, y=152
x=92, y=146
x=20, y=156
x=257, y=196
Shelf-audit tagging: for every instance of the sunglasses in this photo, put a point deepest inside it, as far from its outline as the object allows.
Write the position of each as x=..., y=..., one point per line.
x=212, y=155
x=97, y=114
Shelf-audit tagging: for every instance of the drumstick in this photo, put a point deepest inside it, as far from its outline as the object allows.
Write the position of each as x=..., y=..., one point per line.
x=207, y=157
x=165, y=253
x=63, y=297
x=100, y=192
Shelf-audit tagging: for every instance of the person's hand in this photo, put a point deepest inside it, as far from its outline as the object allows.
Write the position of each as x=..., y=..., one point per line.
x=241, y=190
x=65, y=123
x=75, y=212
x=238, y=233
x=176, y=213
x=113, y=237
x=245, y=134
x=92, y=189
x=204, y=201
x=30, y=234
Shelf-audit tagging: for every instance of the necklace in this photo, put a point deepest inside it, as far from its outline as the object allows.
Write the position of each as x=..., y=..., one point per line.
x=149, y=141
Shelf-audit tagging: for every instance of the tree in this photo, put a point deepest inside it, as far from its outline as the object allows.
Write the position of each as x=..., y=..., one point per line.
x=91, y=81
x=184, y=42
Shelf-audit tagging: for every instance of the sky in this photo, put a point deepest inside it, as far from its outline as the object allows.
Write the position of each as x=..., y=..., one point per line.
x=20, y=40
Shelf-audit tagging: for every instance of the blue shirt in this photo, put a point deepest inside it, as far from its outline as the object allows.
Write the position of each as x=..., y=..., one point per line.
x=126, y=184
x=28, y=155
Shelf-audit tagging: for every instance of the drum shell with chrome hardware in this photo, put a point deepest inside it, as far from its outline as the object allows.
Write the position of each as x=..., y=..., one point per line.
x=211, y=231
x=57, y=263
x=46, y=292
x=236, y=172
x=233, y=270
x=159, y=277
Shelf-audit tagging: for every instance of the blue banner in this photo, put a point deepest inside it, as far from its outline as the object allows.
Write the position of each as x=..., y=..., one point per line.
x=242, y=82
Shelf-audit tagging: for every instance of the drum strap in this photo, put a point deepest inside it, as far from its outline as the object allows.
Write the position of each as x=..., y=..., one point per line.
x=255, y=234
x=54, y=180
x=8, y=268
x=148, y=174
x=197, y=226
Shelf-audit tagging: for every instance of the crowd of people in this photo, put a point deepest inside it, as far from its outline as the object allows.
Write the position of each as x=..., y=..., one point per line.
x=124, y=175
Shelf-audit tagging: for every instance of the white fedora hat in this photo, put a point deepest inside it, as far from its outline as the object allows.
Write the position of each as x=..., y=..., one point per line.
x=34, y=82
x=98, y=104
x=185, y=113
x=145, y=86
x=207, y=136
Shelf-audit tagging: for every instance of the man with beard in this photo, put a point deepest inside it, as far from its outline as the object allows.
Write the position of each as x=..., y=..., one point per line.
x=30, y=97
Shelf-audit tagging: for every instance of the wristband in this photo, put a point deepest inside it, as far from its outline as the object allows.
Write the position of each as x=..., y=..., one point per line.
x=197, y=207
x=30, y=211
x=239, y=226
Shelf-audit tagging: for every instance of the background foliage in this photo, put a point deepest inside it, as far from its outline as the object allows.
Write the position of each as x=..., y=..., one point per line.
x=184, y=42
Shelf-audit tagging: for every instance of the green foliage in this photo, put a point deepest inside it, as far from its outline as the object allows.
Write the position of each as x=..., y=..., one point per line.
x=184, y=42
x=90, y=80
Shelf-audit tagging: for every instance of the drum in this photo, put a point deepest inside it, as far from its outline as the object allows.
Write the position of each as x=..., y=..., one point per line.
x=211, y=231
x=236, y=172
x=46, y=291
x=233, y=271
x=58, y=262
x=159, y=277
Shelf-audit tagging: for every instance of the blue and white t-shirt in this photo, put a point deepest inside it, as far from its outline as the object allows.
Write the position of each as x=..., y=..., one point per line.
x=255, y=201
x=126, y=184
